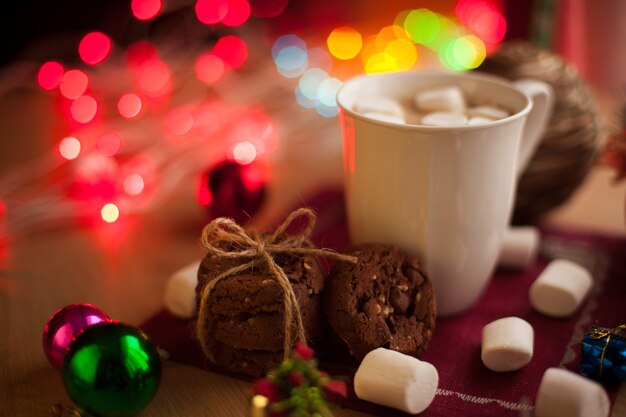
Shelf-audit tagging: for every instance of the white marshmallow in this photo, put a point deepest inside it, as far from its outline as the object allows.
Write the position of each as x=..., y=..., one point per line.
x=379, y=105
x=565, y=394
x=560, y=288
x=385, y=117
x=444, y=119
x=396, y=380
x=507, y=344
x=478, y=121
x=180, y=293
x=490, y=112
x=448, y=99
x=520, y=246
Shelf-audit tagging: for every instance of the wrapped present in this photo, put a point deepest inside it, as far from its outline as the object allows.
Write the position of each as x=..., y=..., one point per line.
x=604, y=353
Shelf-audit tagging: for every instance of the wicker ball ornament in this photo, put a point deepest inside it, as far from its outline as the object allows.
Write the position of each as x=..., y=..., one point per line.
x=569, y=144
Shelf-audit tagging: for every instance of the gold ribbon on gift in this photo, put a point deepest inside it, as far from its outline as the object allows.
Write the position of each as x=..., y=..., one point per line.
x=598, y=333
x=224, y=238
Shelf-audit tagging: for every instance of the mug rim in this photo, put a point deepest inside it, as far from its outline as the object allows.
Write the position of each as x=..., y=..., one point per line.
x=485, y=77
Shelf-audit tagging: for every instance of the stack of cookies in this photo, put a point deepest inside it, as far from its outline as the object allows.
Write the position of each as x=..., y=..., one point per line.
x=383, y=300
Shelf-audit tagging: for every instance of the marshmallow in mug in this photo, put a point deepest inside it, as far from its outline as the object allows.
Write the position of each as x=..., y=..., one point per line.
x=396, y=380
x=507, y=344
x=379, y=105
x=180, y=293
x=447, y=107
x=444, y=106
x=565, y=394
x=560, y=288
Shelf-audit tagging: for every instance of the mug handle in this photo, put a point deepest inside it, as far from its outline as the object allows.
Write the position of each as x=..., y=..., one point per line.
x=542, y=98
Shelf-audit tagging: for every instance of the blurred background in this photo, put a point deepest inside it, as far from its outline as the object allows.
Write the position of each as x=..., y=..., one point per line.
x=109, y=108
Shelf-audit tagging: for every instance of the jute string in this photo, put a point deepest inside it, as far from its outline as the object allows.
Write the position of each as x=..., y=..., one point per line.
x=225, y=239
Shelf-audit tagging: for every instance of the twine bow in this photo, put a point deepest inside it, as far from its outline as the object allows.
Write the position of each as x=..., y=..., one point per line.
x=598, y=333
x=224, y=238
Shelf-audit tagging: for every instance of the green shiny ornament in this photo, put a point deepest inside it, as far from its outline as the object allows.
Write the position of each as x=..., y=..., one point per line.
x=112, y=370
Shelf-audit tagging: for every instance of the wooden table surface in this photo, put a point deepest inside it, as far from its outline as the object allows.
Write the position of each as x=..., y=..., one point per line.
x=123, y=269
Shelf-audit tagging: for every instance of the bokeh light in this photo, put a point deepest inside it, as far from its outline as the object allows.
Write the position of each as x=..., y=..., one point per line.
x=285, y=41
x=49, y=75
x=403, y=53
x=464, y=53
x=327, y=91
x=483, y=18
x=290, y=55
x=110, y=213
x=423, y=26
x=209, y=68
x=304, y=101
x=211, y=12
x=291, y=61
x=129, y=105
x=310, y=81
x=94, y=48
x=179, y=121
x=69, y=148
x=84, y=109
x=232, y=50
x=238, y=11
x=244, y=153
x=109, y=144
x=154, y=78
x=381, y=62
x=326, y=111
x=344, y=42
x=133, y=184
x=389, y=34
x=145, y=9
x=267, y=8
x=469, y=51
x=73, y=84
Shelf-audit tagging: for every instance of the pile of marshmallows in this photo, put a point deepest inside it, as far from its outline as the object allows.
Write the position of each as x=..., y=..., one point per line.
x=403, y=382
x=444, y=106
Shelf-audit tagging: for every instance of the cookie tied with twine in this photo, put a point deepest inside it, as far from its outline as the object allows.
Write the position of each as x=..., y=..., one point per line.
x=259, y=293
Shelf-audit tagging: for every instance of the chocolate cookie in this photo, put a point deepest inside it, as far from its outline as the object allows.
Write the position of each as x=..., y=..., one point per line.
x=245, y=318
x=384, y=300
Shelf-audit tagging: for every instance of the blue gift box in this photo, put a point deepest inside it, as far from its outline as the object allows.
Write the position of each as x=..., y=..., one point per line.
x=604, y=353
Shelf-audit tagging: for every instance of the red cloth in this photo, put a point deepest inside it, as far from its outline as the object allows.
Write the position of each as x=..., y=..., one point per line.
x=466, y=387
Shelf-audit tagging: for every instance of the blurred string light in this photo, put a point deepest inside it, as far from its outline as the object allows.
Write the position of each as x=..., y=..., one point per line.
x=146, y=9
x=129, y=105
x=94, y=48
x=482, y=18
x=228, y=12
x=73, y=84
x=209, y=68
x=69, y=148
x=110, y=213
x=84, y=109
x=232, y=50
x=49, y=75
x=344, y=42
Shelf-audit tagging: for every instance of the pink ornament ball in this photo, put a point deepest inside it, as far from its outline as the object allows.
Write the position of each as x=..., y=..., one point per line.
x=63, y=327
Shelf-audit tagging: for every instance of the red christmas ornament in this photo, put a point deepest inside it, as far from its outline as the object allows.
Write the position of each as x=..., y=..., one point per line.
x=233, y=190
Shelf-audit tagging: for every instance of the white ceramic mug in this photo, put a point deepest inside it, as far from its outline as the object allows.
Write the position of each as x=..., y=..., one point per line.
x=443, y=194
